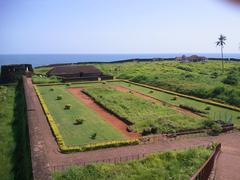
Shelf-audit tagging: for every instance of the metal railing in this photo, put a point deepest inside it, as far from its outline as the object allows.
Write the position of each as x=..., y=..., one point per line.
x=205, y=171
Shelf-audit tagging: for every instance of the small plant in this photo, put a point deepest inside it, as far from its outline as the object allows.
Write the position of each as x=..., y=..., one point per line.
x=174, y=98
x=208, y=108
x=151, y=92
x=59, y=97
x=79, y=121
x=67, y=106
x=146, y=131
x=216, y=129
x=238, y=117
x=51, y=89
x=94, y=135
x=130, y=129
x=68, y=84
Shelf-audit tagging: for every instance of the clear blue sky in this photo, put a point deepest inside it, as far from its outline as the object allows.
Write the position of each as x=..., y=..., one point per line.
x=117, y=26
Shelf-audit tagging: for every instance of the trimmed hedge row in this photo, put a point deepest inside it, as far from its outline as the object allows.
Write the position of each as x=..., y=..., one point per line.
x=186, y=96
x=65, y=148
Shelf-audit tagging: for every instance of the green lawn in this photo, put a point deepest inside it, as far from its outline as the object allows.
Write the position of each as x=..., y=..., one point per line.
x=77, y=134
x=15, y=160
x=141, y=112
x=173, y=165
x=205, y=80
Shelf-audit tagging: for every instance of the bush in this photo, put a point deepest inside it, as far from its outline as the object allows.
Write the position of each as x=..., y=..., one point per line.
x=208, y=123
x=208, y=108
x=189, y=76
x=238, y=117
x=174, y=98
x=217, y=91
x=154, y=130
x=68, y=106
x=68, y=84
x=94, y=135
x=216, y=129
x=231, y=80
x=150, y=92
x=146, y=131
x=59, y=97
x=184, y=68
x=78, y=121
x=51, y=89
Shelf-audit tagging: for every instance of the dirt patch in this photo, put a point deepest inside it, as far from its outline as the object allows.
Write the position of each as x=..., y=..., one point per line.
x=110, y=118
x=152, y=99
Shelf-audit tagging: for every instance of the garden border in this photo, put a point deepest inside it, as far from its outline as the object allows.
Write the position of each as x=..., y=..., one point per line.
x=66, y=148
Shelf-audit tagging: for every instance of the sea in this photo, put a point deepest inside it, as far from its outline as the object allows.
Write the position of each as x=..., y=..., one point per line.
x=46, y=59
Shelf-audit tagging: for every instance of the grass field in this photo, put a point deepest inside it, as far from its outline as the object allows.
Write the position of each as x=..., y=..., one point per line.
x=169, y=165
x=65, y=119
x=205, y=80
x=15, y=160
x=141, y=112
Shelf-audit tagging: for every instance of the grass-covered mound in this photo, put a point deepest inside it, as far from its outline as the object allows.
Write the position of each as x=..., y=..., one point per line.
x=205, y=80
x=169, y=165
x=15, y=161
x=142, y=113
x=39, y=79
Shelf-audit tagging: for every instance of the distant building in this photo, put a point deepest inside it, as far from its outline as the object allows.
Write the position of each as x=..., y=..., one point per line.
x=77, y=73
x=193, y=58
x=13, y=72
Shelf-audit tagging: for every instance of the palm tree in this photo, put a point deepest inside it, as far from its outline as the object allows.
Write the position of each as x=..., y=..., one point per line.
x=221, y=42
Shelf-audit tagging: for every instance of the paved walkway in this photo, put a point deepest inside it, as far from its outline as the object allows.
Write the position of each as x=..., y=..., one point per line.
x=227, y=165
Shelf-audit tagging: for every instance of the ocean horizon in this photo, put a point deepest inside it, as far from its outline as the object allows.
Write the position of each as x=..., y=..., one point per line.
x=46, y=59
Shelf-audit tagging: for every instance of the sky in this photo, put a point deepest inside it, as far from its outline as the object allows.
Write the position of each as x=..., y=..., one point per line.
x=117, y=26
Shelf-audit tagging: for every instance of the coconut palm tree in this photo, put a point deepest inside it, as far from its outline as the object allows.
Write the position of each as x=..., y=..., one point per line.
x=221, y=42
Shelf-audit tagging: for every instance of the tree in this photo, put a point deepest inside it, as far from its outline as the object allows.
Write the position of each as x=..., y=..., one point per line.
x=221, y=42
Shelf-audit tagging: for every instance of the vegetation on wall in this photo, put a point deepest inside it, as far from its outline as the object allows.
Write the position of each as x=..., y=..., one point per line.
x=15, y=160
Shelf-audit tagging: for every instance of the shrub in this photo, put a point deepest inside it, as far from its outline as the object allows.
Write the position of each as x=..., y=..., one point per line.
x=94, y=135
x=216, y=129
x=214, y=75
x=230, y=79
x=154, y=130
x=68, y=106
x=208, y=108
x=68, y=84
x=51, y=89
x=208, y=123
x=238, y=117
x=151, y=92
x=184, y=68
x=217, y=91
x=193, y=109
x=59, y=97
x=189, y=76
x=174, y=98
x=130, y=129
x=146, y=131
x=78, y=121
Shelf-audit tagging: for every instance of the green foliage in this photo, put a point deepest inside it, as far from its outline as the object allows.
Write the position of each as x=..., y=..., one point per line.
x=15, y=160
x=142, y=113
x=231, y=79
x=93, y=136
x=216, y=129
x=208, y=108
x=67, y=106
x=59, y=97
x=78, y=121
x=39, y=79
x=173, y=165
x=205, y=80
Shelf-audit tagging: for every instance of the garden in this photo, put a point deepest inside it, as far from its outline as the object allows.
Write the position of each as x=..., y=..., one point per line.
x=81, y=128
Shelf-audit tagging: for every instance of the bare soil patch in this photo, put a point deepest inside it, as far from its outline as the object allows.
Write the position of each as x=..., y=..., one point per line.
x=152, y=99
x=110, y=118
